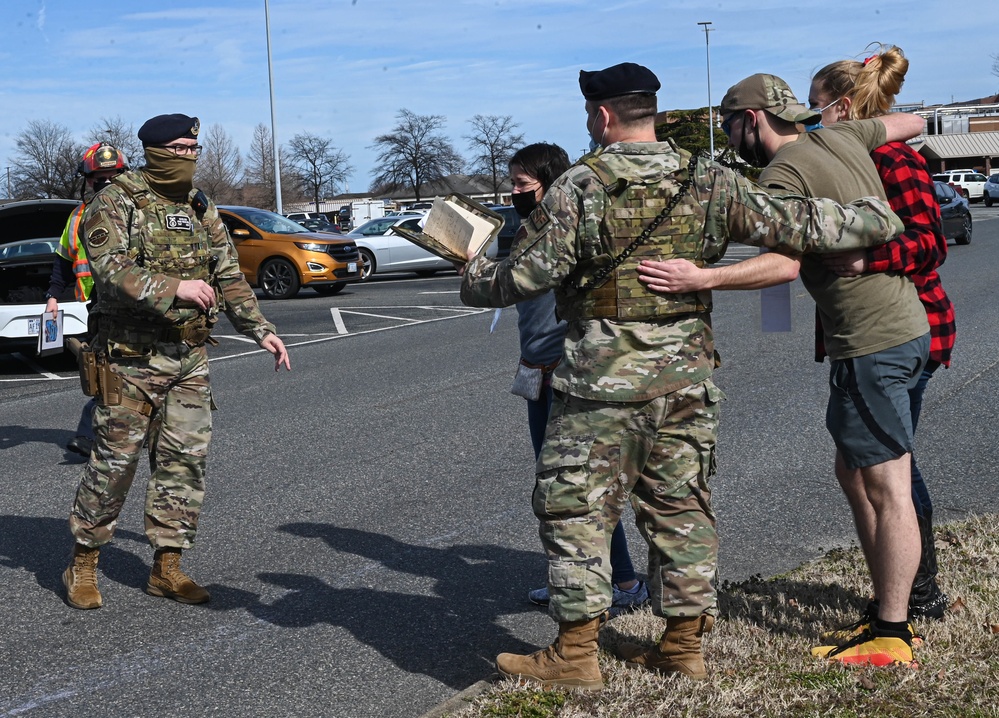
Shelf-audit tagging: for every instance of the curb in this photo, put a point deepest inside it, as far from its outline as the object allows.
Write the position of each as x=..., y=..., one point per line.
x=458, y=701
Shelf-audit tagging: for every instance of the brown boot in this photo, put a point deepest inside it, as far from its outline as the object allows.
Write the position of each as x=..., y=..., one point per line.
x=679, y=650
x=571, y=661
x=167, y=580
x=80, y=578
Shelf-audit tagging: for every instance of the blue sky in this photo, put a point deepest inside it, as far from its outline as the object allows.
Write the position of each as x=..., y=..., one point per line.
x=344, y=68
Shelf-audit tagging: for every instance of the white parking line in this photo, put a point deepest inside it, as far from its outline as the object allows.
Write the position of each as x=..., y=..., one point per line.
x=36, y=368
x=381, y=316
x=338, y=321
x=318, y=337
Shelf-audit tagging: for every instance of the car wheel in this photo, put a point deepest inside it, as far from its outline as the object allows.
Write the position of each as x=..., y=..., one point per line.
x=988, y=199
x=367, y=264
x=426, y=273
x=328, y=290
x=278, y=279
x=964, y=193
x=965, y=236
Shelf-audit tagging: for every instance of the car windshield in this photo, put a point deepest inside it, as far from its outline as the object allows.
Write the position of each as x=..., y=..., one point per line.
x=270, y=221
x=29, y=248
x=376, y=226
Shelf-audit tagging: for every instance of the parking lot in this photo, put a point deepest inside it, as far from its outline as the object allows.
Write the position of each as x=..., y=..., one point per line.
x=367, y=534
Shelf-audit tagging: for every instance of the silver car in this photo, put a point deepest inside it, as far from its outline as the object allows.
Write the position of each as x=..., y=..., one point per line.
x=383, y=251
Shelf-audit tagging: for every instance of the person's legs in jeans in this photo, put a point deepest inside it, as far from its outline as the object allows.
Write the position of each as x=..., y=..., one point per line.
x=926, y=598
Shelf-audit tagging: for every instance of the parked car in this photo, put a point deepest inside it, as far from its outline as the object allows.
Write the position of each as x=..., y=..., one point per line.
x=319, y=224
x=508, y=232
x=968, y=183
x=954, y=213
x=382, y=251
x=991, y=191
x=29, y=237
x=280, y=256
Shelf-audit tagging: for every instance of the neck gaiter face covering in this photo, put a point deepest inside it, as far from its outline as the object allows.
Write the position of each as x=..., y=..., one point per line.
x=169, y=175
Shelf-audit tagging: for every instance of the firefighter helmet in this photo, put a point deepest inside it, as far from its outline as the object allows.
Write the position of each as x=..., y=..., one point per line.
x=102, y=157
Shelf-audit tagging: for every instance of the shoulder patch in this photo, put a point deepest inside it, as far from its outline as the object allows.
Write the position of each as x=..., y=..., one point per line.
x=98, y=237
x=540, y=219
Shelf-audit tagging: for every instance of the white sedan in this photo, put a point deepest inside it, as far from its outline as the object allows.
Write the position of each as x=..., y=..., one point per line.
x=29, y=235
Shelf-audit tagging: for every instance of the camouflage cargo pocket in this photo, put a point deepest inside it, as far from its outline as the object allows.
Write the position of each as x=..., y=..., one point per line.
x=562, y=487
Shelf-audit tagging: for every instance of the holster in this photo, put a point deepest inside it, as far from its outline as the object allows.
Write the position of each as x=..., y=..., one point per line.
x=86, y=359
x=97, y=378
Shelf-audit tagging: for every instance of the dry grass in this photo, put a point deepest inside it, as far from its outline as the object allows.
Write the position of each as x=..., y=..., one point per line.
x=758, y=654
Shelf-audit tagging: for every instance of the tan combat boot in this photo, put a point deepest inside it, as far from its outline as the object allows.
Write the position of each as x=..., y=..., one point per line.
x=570, y=662
x=679, y=650
x=167, y=580
x=80, y=578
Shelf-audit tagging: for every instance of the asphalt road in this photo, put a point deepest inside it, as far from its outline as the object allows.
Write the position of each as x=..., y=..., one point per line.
x=367, y=537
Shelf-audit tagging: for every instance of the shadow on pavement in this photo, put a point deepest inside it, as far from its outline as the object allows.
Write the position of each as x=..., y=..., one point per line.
x=42, y=546
x=452, y=636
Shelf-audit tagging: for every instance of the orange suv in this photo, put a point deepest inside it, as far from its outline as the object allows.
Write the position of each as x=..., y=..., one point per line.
x=280, y=256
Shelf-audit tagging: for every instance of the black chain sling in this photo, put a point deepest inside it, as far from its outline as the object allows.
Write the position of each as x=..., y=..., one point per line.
x=599, y=278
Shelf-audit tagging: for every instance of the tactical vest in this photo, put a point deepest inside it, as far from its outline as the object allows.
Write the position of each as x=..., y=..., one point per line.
x=632, y=205
x=165, y=237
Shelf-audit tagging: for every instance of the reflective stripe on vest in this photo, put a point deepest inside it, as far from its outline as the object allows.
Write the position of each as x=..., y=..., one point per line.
x=78, y=256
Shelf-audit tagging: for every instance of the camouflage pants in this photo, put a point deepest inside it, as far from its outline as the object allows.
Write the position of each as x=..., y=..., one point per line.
x=175, y=382
x=659, y=453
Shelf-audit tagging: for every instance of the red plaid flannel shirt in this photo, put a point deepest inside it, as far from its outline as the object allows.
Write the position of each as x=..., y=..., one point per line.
x=919, y=250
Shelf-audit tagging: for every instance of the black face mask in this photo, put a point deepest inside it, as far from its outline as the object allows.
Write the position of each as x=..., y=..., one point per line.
x=100, y=184
x=756, y=157
x=524, y=203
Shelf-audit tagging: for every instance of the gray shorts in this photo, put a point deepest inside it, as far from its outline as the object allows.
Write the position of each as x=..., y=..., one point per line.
x=868, y=413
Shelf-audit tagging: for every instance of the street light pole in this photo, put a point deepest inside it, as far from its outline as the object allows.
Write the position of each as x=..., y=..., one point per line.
x=274, y=139
x=711, y=124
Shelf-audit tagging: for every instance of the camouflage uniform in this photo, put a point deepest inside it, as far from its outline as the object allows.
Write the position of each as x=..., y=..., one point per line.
x=140, y=247
x=635, y=412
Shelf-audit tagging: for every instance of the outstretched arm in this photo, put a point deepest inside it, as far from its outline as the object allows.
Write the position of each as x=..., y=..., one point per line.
x=902, y=126
x=680, y=275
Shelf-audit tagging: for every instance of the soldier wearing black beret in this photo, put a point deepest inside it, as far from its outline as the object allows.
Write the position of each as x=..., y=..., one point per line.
x=163, y=267
x=163, y=129
x=624, y=79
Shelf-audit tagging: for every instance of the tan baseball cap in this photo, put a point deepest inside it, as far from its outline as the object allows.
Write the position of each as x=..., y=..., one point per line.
x=770, y=93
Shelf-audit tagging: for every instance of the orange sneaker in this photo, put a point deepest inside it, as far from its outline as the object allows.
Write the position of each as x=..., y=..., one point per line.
x=869, y=649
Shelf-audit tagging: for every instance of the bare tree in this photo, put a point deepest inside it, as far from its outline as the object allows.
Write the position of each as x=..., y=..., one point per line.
x=121, y=134
x=320, y=165
x=219, y=166
x=995, y=65
x=258, y=172
x=46, y=163
x=492, y=143
x=413, y=154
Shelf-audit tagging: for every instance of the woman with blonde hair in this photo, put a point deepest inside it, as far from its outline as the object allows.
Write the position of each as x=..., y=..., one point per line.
x=850, y=89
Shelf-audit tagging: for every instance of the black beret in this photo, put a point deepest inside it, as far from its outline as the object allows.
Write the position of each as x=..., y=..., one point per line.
x=162, y=129
x=624, y=79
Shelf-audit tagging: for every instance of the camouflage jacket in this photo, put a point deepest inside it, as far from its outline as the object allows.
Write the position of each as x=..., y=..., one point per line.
x=135, y=281
x=621, y=360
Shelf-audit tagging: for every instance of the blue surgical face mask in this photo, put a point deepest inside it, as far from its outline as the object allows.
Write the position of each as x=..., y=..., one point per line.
x=594, y=145
x=811, y=128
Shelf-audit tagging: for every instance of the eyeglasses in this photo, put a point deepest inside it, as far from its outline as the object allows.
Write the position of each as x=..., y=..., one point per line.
x=184, y=150
x=726, y=125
